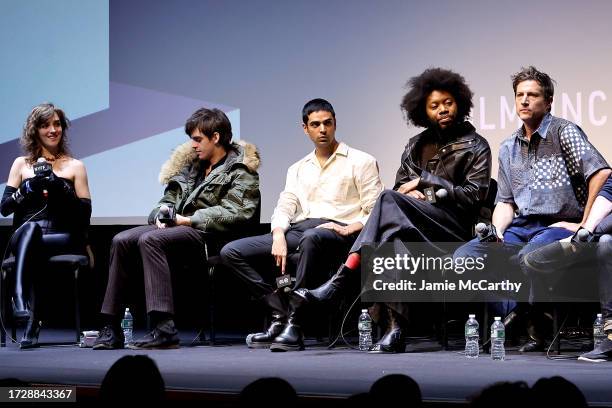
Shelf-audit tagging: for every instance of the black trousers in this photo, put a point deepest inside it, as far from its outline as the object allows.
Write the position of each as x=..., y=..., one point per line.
x=149, y=248
x=32, y=244
x=319, y=250
x=398, y=217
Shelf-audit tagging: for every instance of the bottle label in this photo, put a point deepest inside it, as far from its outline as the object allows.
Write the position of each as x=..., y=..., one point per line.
x=364, y=326
x=471, y=332
x=498, y=334
x=127, y=324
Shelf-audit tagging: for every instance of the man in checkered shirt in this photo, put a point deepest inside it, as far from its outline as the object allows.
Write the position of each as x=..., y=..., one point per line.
x=549, y=176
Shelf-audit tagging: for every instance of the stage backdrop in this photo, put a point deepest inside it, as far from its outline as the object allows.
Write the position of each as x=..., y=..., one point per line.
x=130, y=72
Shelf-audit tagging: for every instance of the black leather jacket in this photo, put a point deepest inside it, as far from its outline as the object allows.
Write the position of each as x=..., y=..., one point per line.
x=462, y=166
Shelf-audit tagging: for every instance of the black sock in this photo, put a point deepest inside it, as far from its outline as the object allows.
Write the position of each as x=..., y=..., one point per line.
x=112, y=320
x=156, y=318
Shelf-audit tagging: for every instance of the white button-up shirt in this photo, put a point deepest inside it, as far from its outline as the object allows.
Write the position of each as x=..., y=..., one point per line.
x=344, y=189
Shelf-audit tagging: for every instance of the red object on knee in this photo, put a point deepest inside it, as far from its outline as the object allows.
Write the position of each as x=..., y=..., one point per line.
x=353, y=261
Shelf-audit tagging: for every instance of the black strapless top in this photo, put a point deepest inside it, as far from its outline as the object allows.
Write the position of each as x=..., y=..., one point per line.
x=58, y=211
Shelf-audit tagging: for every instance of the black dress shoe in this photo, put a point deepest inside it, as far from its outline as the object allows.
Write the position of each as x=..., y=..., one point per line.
x=110, y=338
x=264, y=339
x=291, y=339
x=292, y=336
x=279, y=303
x=30, y=336
x=533, y=345
x=163, y=336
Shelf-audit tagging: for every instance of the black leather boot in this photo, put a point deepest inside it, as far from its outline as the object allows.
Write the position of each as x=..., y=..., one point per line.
x=30, y=336
x=394, y=339
x=292, y=337
x=278, y=303
x=331, y=290
x=536, y=329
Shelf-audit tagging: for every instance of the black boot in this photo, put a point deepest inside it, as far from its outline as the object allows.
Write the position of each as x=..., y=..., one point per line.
x=536, y=329
x=30, y=336
x=292, y=337
x=278, y=303
x=394, y=339
x=331, y=290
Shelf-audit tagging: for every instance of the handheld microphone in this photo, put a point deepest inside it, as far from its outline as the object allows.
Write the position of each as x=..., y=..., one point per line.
x=582, y=236
x=486, y=233
x=284, y=282
x=42, y=168
x=167, y=215
x=433, y=196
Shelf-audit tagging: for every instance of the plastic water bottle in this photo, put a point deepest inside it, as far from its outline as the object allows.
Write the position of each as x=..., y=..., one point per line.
x=127, y=324
x=598, y=331
x=365, y=330
x=498, y=336
x=471, y=337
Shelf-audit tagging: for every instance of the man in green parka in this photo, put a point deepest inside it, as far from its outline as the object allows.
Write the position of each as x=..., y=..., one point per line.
x=212, y=185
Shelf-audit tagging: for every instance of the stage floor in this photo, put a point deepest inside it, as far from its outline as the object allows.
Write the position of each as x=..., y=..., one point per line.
x=317, y=371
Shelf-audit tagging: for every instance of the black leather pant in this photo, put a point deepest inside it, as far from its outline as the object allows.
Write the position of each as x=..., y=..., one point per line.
x=32, y=244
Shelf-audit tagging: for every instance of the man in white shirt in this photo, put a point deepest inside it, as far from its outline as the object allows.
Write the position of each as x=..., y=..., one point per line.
x=327, y=199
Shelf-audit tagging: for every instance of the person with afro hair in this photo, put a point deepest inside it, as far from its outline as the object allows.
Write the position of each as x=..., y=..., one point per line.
x=440, y=187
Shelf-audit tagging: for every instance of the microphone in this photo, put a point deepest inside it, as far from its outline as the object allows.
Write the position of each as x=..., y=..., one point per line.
x=433, y=196
x=284, y=282
x=42, y=168
x=167, y=215
x=441, y=194
x=486, y=233
x=583, y=236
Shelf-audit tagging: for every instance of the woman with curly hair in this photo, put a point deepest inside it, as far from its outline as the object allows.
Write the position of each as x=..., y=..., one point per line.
x=440, y=186
x=48, y=195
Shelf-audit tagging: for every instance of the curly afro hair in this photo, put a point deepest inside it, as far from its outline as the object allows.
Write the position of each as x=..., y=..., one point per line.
x=435, y=79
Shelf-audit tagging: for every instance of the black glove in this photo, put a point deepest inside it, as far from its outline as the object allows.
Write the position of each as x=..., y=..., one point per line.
x=39, y=183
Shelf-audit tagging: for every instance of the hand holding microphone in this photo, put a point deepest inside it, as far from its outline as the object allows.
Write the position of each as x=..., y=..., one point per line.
x=167, y=215
x=434, y=196
x=487, y=233
x=583, y=236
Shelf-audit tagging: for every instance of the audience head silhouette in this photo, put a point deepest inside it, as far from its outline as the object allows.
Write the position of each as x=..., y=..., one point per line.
x=133, y=377
x=557, y=391
x=386, y=389
x=504, y=394
x=268, y=391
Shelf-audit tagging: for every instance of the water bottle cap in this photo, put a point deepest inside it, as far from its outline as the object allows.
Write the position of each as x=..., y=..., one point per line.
x=472, y=316
x=497, y=318
x=127, y=309
x=364, y=310
x=599, y=315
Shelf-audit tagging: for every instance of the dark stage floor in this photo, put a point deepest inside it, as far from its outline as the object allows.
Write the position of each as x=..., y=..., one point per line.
x=442, y=375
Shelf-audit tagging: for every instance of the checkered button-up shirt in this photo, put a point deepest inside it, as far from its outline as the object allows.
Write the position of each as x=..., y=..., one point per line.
x=547, y=175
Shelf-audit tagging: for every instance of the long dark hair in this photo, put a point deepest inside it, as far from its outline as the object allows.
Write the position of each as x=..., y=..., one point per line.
x=40, y=115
